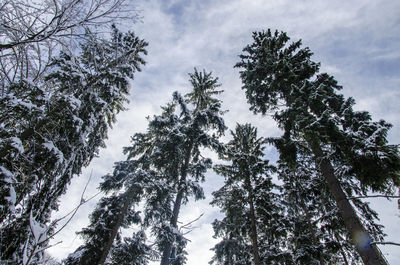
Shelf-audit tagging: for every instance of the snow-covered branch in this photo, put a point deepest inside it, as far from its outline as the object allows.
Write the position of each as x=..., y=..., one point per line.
x=25, y=22
x=31, y=32
x=40, y=234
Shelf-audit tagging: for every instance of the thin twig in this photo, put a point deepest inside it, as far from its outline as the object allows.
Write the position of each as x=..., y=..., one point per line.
x=191, y=222
x=188, y=225
x=385, y=243
x=75, y=210
x=373, y=196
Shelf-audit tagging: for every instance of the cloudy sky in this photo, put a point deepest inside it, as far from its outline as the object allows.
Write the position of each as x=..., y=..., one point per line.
x=356, y=41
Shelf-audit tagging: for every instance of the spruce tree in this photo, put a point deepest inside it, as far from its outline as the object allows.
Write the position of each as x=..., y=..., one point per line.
x=49, y=133
x=317, y=234
x=133, y=251
x=174, y=142
x=345, y=144
x=198, y=116
x=254, y=222
x=102, y=237
x=170, y=152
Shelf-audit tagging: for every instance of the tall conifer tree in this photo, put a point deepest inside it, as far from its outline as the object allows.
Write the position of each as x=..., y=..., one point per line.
x=200, y=115
x=345, y=144
x=254, y=217
x=317, y=234
x=128, y=183
x=170, y=152
x=49, y=134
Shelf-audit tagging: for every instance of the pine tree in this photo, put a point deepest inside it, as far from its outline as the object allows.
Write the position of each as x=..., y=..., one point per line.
x=254, y=221
x=345, y=144
x=49, y=134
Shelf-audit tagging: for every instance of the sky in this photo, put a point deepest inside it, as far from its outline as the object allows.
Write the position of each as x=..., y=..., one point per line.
x=356, y=41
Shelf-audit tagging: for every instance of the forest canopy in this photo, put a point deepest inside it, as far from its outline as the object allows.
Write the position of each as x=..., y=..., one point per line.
x=268, y=159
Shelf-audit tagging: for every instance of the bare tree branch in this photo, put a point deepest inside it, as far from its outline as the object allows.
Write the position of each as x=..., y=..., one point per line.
x=82, y=201
x=31, y=31
x=70, y=14
x=75, y=210
x=385, y=243
x=188, y=226
x=373, y=196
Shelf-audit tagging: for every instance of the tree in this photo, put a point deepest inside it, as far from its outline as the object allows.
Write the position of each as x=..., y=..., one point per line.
x=254, y=221
x=199, y=115
x=345, y=144
x=33, y=32
x=48, y=135
x=173, y=143
x=133, y=251
x=317, y=234
x=169, y=155
x=127, y=184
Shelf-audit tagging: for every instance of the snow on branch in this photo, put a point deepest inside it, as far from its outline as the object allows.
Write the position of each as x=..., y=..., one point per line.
x=39, y=231
x=24, y=22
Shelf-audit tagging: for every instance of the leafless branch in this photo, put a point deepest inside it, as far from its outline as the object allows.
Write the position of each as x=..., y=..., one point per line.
x=188, y=226
x=35, y=248
x=75, y=210
x=374, y=196
x=386, y=243
x=31, y=30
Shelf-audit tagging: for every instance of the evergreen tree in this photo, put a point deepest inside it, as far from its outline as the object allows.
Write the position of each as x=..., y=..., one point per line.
x=49, y=134
x=195, y=118
x=254, y=221
x=345, y=144
x=133, y=251
x=127, y=184
x=317, y=234
x=169, y=153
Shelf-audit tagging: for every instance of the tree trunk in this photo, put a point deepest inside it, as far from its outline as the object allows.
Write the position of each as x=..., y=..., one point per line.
x=115, y=228
x=165, y=260
x=254, y=236
x=166, y=256
x=370, y=254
